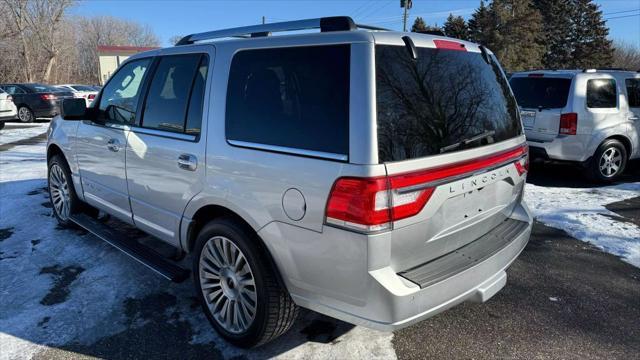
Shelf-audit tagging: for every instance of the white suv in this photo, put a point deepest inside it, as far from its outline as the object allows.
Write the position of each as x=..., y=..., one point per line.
x=7, y=108
x=586, y=116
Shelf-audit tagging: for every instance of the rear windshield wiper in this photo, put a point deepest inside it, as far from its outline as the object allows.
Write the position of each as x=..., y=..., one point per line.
x=467, y=141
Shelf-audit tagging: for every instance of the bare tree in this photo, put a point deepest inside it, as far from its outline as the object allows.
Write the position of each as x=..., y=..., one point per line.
x=626, y=56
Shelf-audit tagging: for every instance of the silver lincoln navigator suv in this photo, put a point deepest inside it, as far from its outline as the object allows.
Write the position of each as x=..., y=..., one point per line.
x=373, y=176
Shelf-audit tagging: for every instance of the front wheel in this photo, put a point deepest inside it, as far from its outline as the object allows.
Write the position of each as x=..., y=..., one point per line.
x=609, y=161
x=25, y=114
x=237, y=285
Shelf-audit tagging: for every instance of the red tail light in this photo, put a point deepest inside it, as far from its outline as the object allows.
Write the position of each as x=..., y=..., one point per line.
x=47, y=97
x=372, y=204
x=91, y=96
x=569, y=124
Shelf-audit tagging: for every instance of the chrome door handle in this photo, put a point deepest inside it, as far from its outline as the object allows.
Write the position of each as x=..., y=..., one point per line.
x=634, y=118
x=187, y=162
x=113, y=145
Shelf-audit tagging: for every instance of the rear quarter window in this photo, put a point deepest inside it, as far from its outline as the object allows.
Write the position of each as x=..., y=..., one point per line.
x=633, y=92
x=291, y=97
x=601, y=93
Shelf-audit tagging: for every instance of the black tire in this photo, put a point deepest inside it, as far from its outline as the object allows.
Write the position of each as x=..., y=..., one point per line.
x=595, y=170
x=75, y=204
x=25, y=114
x=275, y=310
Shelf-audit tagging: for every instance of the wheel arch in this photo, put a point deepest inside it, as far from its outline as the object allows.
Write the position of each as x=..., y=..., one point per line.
x=209, y=212
x=626, y=142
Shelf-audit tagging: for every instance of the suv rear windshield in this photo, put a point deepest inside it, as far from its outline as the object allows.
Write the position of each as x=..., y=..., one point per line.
x=444, y=101
x=541, y=92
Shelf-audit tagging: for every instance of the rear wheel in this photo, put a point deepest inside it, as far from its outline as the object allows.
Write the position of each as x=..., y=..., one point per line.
x=237, y=285
x=61, y=192
x=25, y=114
x=609, y=161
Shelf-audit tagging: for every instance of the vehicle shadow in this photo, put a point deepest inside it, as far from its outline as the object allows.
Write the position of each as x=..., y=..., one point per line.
x=573, y=176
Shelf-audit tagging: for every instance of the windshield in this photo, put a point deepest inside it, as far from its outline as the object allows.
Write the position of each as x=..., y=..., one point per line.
x=444, y=101
x=541, y=92
x=42, y=88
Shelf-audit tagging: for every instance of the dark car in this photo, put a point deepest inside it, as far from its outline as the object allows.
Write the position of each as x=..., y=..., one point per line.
x=36, y=100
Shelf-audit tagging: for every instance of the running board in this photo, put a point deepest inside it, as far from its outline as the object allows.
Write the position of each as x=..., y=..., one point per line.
x=143, y=254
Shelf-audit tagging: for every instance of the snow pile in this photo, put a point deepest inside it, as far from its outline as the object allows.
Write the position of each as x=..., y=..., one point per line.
x=581, y=213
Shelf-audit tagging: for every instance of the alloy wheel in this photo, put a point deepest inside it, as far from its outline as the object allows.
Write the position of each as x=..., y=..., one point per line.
x=59, y=189
x=24, y=115
x=228, y=285
x=610, y=162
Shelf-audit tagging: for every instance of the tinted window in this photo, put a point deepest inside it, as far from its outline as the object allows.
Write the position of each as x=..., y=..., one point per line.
x=38, y=88
x=601, y=93
x=633, y=92
x=194, y=112
x=444, y=101
x=541, y=92
x=291, y=97
x=168, y=97
x=12, y=89
x=119, y=99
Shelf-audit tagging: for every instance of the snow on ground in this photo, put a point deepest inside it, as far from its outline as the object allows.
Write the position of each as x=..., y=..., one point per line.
x=581, y=213
x=19, y=131
x=64, y=288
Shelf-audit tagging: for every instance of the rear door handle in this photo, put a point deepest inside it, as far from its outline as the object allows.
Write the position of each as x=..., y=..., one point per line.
x=113, y=145
x=187, y=162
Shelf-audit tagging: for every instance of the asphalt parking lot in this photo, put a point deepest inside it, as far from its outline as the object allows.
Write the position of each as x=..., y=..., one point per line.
x=67, y=295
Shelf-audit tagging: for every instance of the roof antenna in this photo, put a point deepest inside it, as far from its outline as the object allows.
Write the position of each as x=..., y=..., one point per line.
x=411, y=47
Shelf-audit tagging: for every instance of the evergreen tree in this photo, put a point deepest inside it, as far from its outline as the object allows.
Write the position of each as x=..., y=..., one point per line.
x=419, y=25
x=591, y=47
x=557, y=31
x=482, y=26
x=456, y=27
x=516, y=35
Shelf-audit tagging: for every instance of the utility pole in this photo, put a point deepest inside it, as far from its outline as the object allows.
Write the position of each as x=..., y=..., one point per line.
x=263, y=20
x=406, y=5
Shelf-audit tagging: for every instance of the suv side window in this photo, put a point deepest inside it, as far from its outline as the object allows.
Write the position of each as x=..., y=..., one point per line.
x=175, y=94
x=291, y=97
x=601, y=93
x=119, y=99
x=633, y=92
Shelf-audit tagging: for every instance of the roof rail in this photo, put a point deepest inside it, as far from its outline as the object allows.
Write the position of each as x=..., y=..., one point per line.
x=325, y=24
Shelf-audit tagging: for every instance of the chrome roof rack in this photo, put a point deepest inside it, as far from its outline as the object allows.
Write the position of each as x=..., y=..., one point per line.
x=325, y=24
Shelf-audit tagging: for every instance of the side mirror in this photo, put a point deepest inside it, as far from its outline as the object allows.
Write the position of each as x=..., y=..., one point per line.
x=74, y=109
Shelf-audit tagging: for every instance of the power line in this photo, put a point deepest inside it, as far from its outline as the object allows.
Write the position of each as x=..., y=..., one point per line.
x=376, y=10
x=620, y=12
x=623, y=16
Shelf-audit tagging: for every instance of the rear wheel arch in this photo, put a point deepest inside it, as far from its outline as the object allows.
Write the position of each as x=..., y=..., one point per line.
x=623, y=139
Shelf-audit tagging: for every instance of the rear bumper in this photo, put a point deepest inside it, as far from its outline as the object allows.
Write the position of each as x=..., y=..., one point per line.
x=562, y=148
x=384, y=300
x=47, y=112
